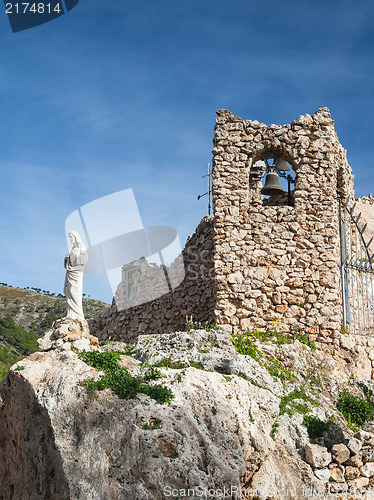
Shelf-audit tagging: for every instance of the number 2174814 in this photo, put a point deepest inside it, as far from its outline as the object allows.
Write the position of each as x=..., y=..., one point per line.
x=33, y=8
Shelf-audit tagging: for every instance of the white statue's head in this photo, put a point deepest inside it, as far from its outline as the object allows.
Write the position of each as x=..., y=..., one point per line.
x=76, y=240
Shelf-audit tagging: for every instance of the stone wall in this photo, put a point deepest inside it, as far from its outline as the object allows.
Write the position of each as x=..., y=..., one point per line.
x=279, y=263
x=195, y=296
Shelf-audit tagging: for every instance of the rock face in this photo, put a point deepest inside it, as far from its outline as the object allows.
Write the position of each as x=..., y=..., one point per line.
x=224, y=430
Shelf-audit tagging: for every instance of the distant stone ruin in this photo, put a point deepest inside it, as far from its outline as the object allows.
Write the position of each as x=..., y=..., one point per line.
x=131, y=314
x=257, y=260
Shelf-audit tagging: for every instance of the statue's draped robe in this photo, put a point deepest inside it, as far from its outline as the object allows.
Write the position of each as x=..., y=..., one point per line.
x=74, y=264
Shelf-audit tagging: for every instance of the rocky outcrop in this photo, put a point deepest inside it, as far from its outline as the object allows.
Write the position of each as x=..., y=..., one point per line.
x=233, y=425
x=66, y=334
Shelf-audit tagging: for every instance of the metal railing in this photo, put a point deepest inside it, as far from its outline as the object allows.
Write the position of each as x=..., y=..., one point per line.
x=357, y=273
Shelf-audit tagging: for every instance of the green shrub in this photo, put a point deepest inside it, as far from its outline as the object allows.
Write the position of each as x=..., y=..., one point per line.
x=199, y=366
x=355, y=410
x=273, y=429
x=244, y=342
x=244, y=345
x=290, y=405
x=3, y=371
x=7, y=359
x=154, y=424
x=274, y=367
x=152, y=374
x=119, y=379
x=17, y=335
x=315, y=426
x=159, y=393
x=169, y=363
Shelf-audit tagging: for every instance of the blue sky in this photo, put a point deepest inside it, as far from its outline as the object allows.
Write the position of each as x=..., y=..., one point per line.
x=119, y=94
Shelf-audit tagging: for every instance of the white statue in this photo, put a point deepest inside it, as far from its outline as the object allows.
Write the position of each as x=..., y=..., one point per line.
x=74, y=265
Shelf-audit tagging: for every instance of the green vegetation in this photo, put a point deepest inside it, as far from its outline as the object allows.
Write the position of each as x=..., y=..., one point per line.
x=52, y=314
x=199, y=366
x=311, y=379
x=273, y=427
x=214, y=410
x=290, y=404
x=128, y=350
x=105, y=342
x=7, y=359
x=119, y=379
x=315, y=426
x=196, y=325
x=274, y=367
x=178, y=365
x=244, y=342
x=25, y=315
x=355, y=410
x=244, y=345
x=154, y=424
x=169, y=363
x=152, y=374
x=18, y=336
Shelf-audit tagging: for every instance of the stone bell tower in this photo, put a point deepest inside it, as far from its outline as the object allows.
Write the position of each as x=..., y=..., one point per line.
x=275, y=262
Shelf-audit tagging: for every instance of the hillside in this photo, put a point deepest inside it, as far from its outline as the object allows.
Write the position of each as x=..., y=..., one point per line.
x=25, y=315
x=35, y=309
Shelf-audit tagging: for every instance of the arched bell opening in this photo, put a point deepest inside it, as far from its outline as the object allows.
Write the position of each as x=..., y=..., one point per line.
x=277, y=179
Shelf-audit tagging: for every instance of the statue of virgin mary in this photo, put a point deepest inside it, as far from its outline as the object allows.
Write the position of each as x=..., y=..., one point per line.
x=74, y=265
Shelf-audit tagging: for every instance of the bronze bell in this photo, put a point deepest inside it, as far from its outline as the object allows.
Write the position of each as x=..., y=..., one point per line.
x=272, y=186
x=282, y=165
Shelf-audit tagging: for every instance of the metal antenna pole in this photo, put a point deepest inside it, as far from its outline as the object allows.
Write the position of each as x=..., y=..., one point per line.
x=209, y=190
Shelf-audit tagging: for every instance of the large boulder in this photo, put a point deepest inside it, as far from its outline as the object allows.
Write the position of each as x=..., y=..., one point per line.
x=57, y=441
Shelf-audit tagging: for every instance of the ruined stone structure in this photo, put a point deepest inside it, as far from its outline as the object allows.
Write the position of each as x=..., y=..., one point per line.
x=195, y=296
x=259, y=261
x=279, y=262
